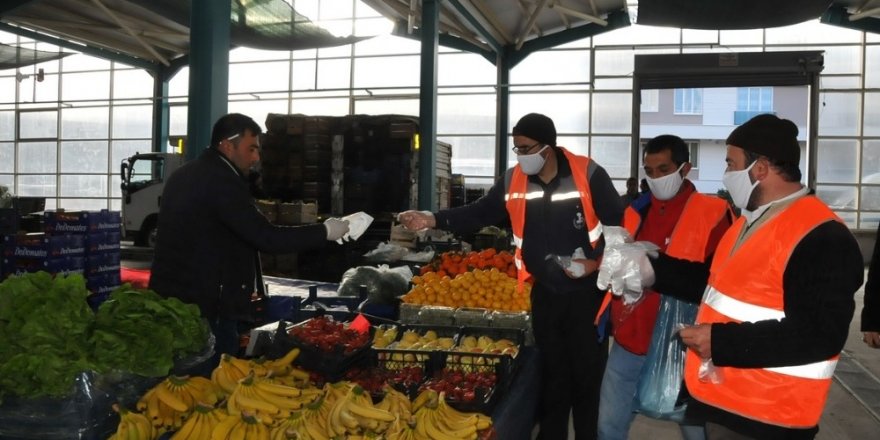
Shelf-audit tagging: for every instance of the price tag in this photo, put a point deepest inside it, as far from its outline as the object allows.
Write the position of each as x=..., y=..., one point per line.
x=360, y=324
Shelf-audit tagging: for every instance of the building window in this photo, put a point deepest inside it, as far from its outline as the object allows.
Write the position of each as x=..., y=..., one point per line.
x=688, y=101
x=754, y=99
x=694, y=150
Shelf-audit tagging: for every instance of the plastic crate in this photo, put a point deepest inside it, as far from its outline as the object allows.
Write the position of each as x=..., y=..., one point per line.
x=467, y=316
x=436, y=315
x=395, y=357
x=409, y=313
x=461, y=367
x=330, y=365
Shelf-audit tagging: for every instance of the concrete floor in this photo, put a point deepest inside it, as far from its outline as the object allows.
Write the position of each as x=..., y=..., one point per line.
x=853, y=408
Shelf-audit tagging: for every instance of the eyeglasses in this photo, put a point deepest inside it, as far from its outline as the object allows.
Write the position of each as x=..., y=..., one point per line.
x=524, y=150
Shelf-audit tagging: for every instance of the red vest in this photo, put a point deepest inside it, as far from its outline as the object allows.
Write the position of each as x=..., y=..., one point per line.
x=518, y=194
x=689, y=240
x=746, y=285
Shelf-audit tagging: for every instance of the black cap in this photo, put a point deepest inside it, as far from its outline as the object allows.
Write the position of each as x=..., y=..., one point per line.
x=537, y=127
x=769, y=136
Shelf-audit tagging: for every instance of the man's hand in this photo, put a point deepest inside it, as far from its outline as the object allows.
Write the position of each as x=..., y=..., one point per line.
x=872, y=339
x=581, y=267
x=699, y=339
x=417, y=220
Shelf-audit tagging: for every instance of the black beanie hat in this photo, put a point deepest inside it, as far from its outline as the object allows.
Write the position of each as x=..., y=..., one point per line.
x=537, y=127
x=769, y=136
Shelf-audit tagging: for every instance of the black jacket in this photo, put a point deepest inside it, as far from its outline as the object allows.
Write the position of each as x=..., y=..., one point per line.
x=208, y=236
x=871, y=312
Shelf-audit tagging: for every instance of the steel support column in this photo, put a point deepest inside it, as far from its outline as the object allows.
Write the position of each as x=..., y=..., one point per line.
x=502, y=112
x=208, y=71
x=428, y=106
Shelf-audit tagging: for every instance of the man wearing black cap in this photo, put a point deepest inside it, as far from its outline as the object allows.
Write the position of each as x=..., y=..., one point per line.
x=776, y=311
x=556, y=202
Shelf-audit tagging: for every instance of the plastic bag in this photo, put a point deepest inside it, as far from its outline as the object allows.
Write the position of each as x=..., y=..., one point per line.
x=386, y=252
x=383, y=284
x=662, y=374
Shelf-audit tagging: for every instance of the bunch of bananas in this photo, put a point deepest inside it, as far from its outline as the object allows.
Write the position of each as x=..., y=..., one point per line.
x=436, y=420
x=232, y=369
x=293, y=427
x=170, y=402
x=132, y=426
x=240, y=427
x=396, y=403
x=201, y=423
x=354, y=413
x=268, y=401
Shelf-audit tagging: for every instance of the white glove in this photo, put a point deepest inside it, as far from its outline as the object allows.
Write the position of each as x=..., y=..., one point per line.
x=336, y=228
x=615, y=236
x=576, y=269
x=417, y=220
x=357, y=225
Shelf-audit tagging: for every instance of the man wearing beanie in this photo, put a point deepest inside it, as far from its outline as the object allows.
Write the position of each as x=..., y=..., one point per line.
x=556, y=202
x=775, y=312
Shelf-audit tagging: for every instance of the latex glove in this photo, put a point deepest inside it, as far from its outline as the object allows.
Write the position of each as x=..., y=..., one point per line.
x=417, y=220
x=627, y=270
x=357, y=225
x=579, y=265
x=336, y=228
x=616, y=236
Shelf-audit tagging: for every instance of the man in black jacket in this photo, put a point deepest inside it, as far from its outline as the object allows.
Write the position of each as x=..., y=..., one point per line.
x=210, y=231
x=778, y=305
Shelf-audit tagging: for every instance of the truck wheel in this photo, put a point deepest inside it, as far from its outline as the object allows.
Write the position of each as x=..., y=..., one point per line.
x=147, y=235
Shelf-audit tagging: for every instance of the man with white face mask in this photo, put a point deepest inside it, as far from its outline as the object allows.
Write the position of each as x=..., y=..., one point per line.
x=682, y=223
x=556, y=202
x=776, y=311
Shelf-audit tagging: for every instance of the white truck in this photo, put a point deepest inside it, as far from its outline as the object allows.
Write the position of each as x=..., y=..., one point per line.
x=143, y=179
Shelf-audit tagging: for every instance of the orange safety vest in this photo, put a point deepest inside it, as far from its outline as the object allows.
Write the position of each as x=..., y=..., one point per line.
x=690, y=237
x=518, y=194
x=745, y=285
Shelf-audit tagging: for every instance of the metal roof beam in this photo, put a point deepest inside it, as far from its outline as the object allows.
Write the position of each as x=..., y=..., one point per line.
x=86, y=49
x=130, y=31
x=477, y=25
x=11, y=5
x=616, y=20
x=400, y=30
x=837, y=16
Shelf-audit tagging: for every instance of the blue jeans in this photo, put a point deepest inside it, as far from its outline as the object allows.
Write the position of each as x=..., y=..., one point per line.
x=616, y=408
x=617, y=395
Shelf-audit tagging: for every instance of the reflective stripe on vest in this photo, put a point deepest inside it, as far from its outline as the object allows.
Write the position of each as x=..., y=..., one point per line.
x=746, y=285
x=518, y=194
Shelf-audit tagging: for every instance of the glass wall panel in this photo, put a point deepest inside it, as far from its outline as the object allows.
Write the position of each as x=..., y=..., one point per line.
x=38, y=124
x=84, y=186
x=83, y=204
x=177, y=120
x=871, y=198
x=258, y=110
x=838, y=161
x=472, y=155
x=132, y=121
x=872, y=114
x=320, y=106
x=135, y=83
x=85, y=86
x=466, y=114
x=40, y=185
x=742, y=37
x=334, y=74
x=85, y=123
x=612, y=153
x=84, y=157
x=402, y=106
x=259, y=77
x=812, y=32
x=79, y=62
x=612, y=113
x=37, y=157
x=7, y=125
x=7, y=157
x=547, y=68
x=871, y=161
x=838, y=196
x=451, y=70
x=398, y=71
x=840, y=82
x=638, y=34
x=839, y=114
x=387, y=45
x=8, y=86
x=570, y=112
x=614, y=62
x=250, y=54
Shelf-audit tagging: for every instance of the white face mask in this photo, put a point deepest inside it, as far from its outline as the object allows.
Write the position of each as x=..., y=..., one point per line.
x=666, y=187
x=531, y=164
x=740, y=186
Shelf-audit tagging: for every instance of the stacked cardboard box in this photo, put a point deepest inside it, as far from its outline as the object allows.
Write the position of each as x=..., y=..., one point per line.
x=101, y=233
